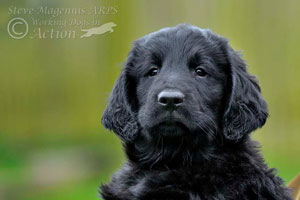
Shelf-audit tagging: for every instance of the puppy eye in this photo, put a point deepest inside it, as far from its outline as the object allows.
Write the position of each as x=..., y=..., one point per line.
x=153, y=72
x=200, y=71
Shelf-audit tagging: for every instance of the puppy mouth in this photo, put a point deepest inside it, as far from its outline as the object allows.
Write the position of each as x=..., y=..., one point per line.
x=170, y=128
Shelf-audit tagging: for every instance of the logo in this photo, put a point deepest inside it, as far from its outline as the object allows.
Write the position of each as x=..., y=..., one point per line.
x=17, y=28
x=45, y=22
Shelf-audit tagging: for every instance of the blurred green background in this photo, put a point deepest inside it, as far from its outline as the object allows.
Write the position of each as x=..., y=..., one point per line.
x=53, y=91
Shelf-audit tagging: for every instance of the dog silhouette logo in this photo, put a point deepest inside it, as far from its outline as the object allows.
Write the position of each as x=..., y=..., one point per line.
x=104, y=28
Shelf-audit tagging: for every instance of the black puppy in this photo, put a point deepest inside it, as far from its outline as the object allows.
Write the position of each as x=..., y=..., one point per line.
x=184, y=106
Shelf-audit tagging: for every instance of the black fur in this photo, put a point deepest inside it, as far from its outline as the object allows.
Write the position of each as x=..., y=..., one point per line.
x=201, y=150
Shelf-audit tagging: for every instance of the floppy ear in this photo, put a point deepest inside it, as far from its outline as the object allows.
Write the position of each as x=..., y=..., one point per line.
x=246, y=110
x=118, y=115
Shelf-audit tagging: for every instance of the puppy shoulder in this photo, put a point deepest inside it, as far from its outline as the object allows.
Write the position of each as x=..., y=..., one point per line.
x=126, y=184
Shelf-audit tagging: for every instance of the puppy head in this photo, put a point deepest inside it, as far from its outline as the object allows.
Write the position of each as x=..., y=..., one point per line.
x=184, y=82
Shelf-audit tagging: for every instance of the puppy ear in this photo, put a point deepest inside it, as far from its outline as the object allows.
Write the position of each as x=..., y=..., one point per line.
x=118, y=116
x=246, y=110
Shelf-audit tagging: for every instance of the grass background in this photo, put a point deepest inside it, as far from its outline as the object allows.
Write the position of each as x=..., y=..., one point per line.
x=53, y=91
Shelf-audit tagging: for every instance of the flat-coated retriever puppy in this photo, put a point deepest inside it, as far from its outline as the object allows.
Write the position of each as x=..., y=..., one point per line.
x=184, y=106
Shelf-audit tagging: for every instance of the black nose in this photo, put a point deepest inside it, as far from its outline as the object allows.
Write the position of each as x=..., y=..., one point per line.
x=170, y=98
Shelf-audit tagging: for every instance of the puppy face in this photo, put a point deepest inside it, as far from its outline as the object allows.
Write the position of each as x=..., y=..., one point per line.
x=184, y=82
x=180, y=84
